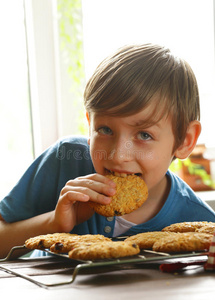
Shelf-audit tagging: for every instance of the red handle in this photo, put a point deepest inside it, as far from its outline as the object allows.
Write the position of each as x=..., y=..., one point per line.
x=172, y=267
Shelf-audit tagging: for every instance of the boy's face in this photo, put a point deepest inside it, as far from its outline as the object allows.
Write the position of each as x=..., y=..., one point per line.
x=125, y=145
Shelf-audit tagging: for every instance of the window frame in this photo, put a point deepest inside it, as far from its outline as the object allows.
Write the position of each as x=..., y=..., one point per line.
x=43, y=71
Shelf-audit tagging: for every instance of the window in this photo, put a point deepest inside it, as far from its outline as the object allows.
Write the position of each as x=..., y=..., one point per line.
x=15, y=116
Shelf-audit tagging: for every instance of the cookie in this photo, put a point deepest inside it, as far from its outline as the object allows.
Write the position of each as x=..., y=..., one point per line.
x=68, y=244
x=146, y=240
x=131, y=193
x=210, y=228
x=45, y=241
x=185, y=226
x=95, y=251
x=183, y=242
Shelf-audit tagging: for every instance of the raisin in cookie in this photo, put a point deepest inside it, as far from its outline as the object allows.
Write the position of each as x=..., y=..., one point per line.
x=182, y=242
x=94, y=251
x=68, y=244
x=146, y=240
x=131, y=193
x=185, y=226
x=45, y=241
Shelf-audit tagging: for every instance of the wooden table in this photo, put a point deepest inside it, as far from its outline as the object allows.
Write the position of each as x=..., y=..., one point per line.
x=142, y=281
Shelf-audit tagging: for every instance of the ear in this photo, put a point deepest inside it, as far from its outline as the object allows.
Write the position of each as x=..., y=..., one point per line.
x=193, y=132
x=88, y=119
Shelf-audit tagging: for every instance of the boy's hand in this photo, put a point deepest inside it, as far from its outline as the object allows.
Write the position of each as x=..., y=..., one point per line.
x=73, y=208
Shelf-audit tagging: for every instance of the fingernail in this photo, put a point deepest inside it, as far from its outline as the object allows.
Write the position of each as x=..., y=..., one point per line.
x=84, y=197
x=106, y=200
x=112, y=183
x=111, y=191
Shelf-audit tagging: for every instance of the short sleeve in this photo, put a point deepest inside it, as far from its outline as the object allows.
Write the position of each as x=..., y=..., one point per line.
x=38, y=189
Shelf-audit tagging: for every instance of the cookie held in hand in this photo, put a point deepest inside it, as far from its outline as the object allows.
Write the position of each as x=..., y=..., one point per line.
x=131, y=193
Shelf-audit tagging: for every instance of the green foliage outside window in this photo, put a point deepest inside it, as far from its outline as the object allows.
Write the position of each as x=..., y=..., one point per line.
x=71, y=46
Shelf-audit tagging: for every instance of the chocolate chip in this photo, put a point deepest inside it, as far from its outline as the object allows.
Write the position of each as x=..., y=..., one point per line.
x=41, y=245
x=116, y=213
x=58, y=246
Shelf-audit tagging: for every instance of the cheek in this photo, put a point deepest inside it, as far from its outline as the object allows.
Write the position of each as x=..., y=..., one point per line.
x=155, y=163
x=159, y=156
x=153, y=170
x=148, y=157
x=98, y=154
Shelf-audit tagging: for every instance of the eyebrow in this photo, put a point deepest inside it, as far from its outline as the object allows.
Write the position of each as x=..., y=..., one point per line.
x=145, y=123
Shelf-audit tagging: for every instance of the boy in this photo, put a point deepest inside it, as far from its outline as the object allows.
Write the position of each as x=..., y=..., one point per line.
x=142, y=106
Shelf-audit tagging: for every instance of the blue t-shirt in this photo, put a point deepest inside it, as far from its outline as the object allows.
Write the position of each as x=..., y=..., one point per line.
x=38, y=190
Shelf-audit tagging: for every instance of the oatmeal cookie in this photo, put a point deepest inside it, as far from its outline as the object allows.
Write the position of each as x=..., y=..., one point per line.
x=68, y=244
x=182, y=242
x=146, y=240
x=94, y=251
x=185, y=226
x=210, y=228
x=131, y=193
x=45, y=241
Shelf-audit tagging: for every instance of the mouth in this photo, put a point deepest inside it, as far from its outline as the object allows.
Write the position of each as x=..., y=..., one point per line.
x=120, y=173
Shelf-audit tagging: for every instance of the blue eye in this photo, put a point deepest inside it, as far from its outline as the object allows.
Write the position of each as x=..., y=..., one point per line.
x=144, y=136
x=105, y=130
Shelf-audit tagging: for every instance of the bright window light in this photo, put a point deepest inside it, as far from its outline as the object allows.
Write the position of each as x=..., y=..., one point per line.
x=16, y=151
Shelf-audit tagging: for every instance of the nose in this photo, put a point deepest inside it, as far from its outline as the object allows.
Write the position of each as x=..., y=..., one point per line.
x=121, y=151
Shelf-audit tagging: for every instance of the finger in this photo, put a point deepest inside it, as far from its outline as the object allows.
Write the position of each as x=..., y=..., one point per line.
x=76, y=194
x=86, y=183
x=73, y=196
x=99, y=178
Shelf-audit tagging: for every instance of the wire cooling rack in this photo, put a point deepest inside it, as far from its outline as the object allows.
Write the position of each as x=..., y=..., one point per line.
x=80, y=266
